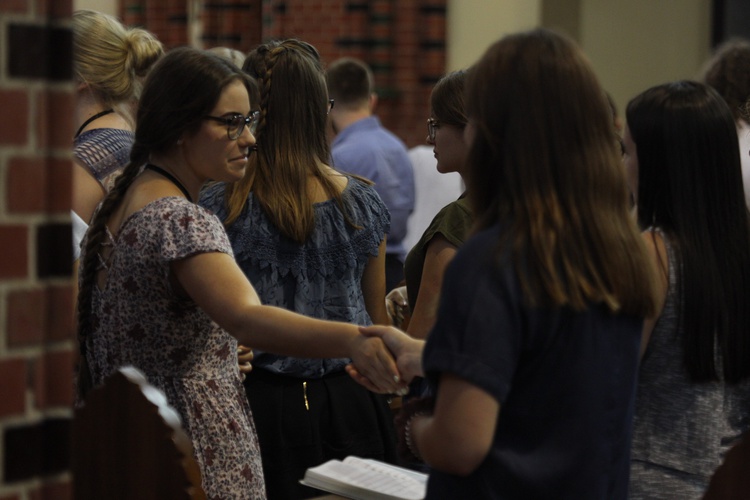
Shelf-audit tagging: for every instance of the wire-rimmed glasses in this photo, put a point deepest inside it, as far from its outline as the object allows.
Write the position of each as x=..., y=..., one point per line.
x=236, y=123
x=432, y=125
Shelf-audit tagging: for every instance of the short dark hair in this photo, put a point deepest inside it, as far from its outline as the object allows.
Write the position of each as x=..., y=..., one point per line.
x=728, y=72
x=350, y=81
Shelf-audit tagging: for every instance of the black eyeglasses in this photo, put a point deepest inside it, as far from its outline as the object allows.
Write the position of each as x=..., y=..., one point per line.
x=432, y=125
x=330, y=105
x=236, y=123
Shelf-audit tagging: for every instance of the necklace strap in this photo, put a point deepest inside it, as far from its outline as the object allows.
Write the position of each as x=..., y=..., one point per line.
x=172, y=178
x=91, y=119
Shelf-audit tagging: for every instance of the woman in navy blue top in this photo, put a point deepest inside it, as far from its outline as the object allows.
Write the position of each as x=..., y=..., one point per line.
x=534, y=353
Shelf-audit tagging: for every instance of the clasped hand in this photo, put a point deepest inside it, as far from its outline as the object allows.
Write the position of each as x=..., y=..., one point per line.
x=397, y=306
x=244, y=359
x=407, y=351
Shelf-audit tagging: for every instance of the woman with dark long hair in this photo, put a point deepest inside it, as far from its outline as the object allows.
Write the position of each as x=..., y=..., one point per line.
x=693, y=402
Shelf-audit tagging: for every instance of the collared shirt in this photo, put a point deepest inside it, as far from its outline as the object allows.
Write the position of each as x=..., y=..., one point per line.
x=367, y=149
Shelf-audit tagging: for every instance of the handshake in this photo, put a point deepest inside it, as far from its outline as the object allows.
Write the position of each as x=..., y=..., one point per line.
x=406, y=350
x=384, y=358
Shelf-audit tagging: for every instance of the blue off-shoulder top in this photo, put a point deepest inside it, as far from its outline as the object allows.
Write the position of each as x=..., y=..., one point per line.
x=320, y=278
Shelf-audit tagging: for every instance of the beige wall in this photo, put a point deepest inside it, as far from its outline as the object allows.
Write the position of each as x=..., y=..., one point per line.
x=472, y=25
x=632, y=44
x=636, y=44
x=106, y=6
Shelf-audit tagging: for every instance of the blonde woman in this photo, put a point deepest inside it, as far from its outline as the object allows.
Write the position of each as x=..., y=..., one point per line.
x=109, y=61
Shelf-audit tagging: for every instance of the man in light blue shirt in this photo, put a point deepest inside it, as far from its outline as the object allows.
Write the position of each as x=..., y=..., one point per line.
x=364, y=147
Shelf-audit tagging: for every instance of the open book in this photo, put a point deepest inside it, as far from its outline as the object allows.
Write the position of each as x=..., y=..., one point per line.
x=366, y=479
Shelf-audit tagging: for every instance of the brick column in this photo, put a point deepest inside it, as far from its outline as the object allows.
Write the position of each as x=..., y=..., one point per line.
x=36, y=303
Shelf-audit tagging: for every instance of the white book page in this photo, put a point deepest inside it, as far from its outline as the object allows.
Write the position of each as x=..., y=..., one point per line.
x=388, y=479
x=384, y=479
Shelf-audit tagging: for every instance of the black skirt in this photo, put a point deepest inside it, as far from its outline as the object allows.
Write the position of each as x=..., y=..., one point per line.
x=302, y=423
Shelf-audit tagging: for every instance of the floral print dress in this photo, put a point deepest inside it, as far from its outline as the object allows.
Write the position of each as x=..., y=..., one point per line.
x=139, y=320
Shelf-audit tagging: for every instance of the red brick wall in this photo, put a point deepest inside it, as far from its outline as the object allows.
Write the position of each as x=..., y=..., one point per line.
x=403, y=41
x=36, y=302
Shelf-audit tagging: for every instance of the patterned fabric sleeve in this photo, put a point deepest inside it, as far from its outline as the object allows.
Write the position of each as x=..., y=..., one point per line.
x=104, y=152
x=189, y=230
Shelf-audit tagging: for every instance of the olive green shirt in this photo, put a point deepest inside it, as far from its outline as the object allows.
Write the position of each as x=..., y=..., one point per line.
x=453, y=223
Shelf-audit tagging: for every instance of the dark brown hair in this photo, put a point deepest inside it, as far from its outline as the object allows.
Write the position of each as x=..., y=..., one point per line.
x=544, y=161
x=728, y=72
x=447, y=99
x=690, y=186
x=291, y=138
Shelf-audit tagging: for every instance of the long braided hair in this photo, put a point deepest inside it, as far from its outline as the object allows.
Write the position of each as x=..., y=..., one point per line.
x=291, y=139
x=182, y=88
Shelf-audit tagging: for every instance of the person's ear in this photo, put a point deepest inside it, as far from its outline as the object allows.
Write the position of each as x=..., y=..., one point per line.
x=373, y=101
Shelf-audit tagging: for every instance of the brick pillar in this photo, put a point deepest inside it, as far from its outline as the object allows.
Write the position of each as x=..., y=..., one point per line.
x=36, y=303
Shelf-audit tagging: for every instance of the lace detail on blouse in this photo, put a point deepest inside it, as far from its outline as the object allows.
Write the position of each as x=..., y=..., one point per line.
x=321, y=278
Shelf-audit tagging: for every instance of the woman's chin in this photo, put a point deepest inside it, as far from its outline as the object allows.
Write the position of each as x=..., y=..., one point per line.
x=236, y=172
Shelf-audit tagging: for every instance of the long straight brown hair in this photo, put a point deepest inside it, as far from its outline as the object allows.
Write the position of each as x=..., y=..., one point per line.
x=544, y=160
x=291, y=139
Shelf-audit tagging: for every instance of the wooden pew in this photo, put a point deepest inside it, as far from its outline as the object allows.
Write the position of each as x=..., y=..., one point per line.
x=129, y=443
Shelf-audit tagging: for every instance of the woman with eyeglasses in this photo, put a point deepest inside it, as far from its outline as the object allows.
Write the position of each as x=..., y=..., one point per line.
x=426, y=262
x=311, y=240
x=159, y=286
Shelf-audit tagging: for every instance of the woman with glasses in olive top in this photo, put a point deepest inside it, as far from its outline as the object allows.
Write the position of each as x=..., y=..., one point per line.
x=426, y=262
x=311, y=240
